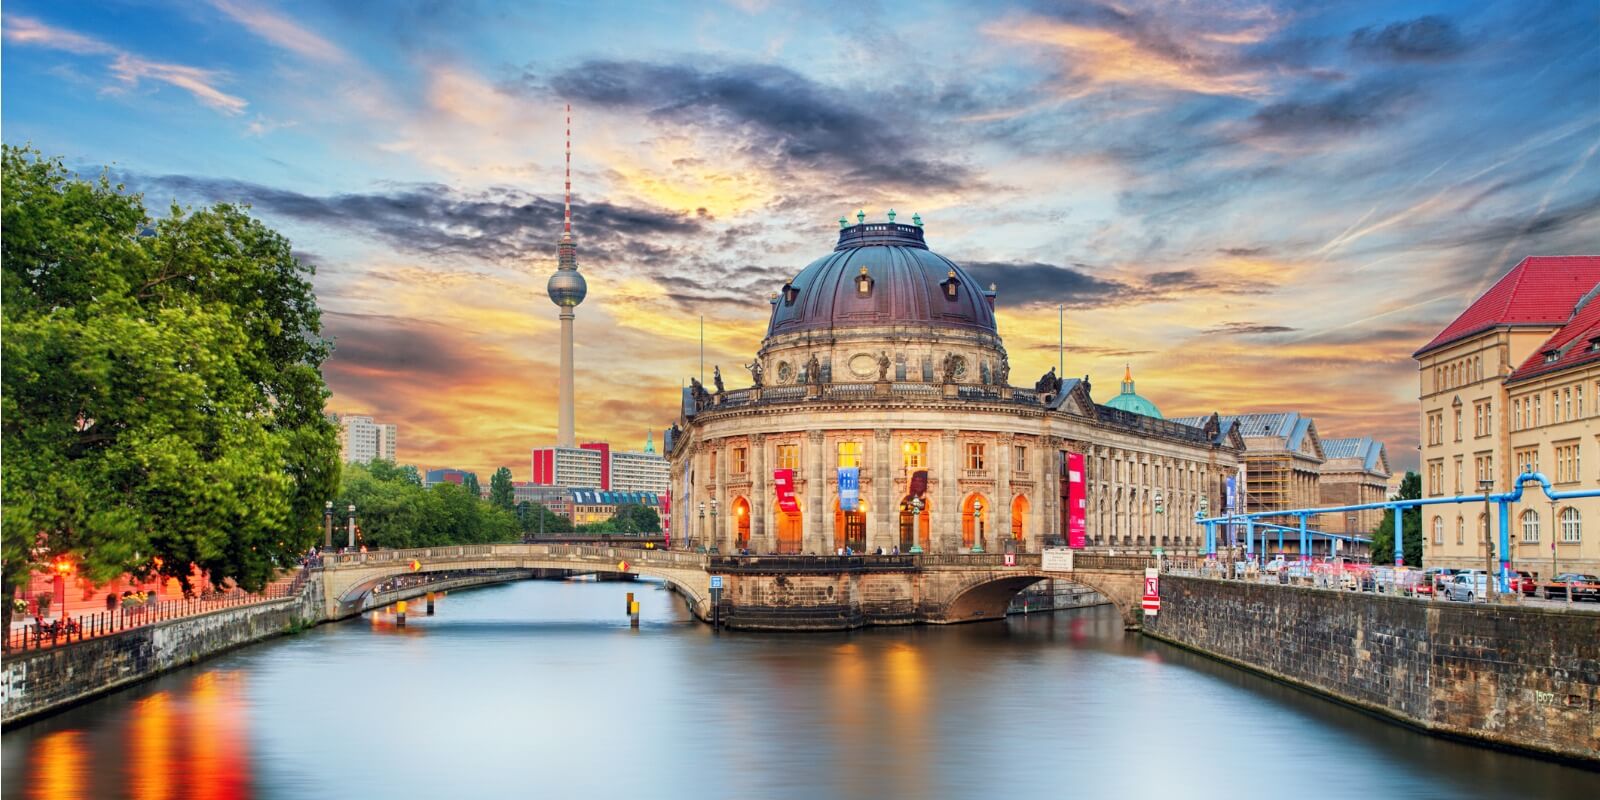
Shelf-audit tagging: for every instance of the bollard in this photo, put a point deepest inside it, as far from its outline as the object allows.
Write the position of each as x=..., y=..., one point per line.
x=430, y=604
x=628, y=608
x=633, y=612
x=400, y=614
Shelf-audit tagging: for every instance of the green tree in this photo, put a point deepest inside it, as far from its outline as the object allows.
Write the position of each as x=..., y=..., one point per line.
x=537, y=518
x=635, y=518
x=162, y=395
x=470, y=483
x=1411, y=524
x=501, y=493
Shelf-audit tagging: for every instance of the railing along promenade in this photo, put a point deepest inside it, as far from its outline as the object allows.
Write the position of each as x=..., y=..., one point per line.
x=40, y=633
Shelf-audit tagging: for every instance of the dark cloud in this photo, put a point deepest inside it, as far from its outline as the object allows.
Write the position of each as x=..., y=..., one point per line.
x=1563, y=219
x=785, y=118
x=1244, y=252
x=376, y=347
x=1341, y=112
x=497, y=223
x=1037, y=283
x=1245, y=329
x=1430, y=38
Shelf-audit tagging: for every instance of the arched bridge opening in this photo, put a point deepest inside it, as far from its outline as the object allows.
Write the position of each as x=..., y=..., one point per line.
x=987, y=597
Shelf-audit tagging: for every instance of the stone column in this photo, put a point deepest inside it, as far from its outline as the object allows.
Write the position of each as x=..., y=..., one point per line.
x=760, y=492
x=881, y=531
x=946, y=513
x=1000, y=520
x=721, y=535
x=1046, y=494
x=816, y=490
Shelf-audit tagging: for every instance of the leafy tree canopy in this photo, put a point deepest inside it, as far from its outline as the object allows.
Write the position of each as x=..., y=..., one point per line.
x=501, y=492
x=163, y=400
x=393, y=510
x=1411, y=524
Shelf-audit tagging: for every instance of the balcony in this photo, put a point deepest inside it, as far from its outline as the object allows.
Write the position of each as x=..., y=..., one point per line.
x=977, y=474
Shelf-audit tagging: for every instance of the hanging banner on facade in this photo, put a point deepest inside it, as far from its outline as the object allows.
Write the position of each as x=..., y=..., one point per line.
x=919, y=483
x=1077, y=502
x=783, y=482
x=849, y=488
x=1230, y=506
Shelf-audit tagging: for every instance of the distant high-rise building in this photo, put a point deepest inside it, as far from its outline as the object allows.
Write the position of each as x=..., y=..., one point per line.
x=596, y=465
x=434, y=477
x=361, y=440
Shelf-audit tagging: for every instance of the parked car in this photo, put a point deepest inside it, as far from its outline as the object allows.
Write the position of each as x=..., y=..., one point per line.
x=1582, y=587
x=1439, y=576
x=1469, y=586
x=1525, y=582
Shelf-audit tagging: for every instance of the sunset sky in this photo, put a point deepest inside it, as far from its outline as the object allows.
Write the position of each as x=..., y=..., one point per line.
x=1260, y=207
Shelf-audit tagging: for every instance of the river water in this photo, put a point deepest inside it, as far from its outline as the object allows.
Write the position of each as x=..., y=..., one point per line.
x=540, y=689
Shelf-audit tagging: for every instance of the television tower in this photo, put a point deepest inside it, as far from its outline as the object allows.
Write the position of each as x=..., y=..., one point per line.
x=567, y=289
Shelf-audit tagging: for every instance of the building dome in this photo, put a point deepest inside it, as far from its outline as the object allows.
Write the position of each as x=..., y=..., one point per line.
x=1131, y=401
x=881, y=274
x=567, y=288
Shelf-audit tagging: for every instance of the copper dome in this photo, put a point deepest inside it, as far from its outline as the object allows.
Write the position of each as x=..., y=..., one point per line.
x=881, y=274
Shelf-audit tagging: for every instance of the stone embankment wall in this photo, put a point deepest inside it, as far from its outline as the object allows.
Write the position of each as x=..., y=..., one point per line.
x=1518, y=677
x=43, y=681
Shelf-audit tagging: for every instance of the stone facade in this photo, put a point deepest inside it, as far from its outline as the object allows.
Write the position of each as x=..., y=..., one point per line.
x=1525, y=678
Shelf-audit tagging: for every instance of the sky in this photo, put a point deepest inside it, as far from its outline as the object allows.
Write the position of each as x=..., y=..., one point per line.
x=1258, y=206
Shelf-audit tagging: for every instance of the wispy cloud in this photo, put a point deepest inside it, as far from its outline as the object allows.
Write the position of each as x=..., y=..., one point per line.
x=282, y=31
x=127, y=68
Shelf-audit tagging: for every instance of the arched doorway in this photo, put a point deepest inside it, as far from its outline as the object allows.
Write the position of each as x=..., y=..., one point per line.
x=914, y=528
x=850, y=527
x=1019, y=519
x=975, y=522
x=741, y=523
x=790, y=535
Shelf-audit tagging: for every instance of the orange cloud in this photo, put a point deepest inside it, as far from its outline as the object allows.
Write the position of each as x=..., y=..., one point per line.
x=282, y=31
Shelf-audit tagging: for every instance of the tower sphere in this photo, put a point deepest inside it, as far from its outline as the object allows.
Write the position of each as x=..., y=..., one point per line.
x=567, y=288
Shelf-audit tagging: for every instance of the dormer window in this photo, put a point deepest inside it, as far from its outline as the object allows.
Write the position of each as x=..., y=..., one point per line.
x=1552, y=356
x=1594, y=345
x=790, y=293
x=951, y=286
x=864, y=283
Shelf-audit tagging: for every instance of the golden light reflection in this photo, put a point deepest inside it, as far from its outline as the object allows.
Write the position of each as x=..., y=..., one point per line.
x=58, y=761
x=151, y=731
x=217, y=765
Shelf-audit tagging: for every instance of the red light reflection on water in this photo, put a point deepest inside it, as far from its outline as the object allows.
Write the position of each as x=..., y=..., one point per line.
x=58, y=767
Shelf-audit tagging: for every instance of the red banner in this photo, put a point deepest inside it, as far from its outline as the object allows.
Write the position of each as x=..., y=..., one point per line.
x=783, y=481
x=1077, y=523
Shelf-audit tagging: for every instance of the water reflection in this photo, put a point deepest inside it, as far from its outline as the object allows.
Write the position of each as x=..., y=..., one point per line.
x=542, y=688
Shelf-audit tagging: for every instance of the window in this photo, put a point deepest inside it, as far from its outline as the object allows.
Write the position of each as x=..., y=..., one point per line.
x=1458, y=475
x=1516, y=416
x=1555, y=405
x=1019, y=458
x=1458, y=424
x=1527, y=459
x=1566, y=403
x=1461, y=531
x=1571, y=526
x=915, y=454
x=1435, y=476
x=788, y=456
x=712, y=463
x=974, y=455
x=1477, y=419
x=737, y=461
x=1568, y=468
x=1484, y=413
x=1438, y=530
x=849, y=454
x=1577, y=394
x=1530, y=527
x=1483, y=468
x=1538, y=412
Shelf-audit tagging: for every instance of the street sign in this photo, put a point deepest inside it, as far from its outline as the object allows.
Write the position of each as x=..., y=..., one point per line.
x=1160, y=551
x=622, y=566
x=1152, y=593
x=1011, y=559
x=1056, y=559
x=716, y=581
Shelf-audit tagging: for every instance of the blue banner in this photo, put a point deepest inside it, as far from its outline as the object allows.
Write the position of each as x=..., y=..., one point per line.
x=849, y=488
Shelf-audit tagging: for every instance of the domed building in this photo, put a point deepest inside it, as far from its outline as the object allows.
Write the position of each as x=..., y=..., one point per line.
x=881, y=414
x=1131, y=401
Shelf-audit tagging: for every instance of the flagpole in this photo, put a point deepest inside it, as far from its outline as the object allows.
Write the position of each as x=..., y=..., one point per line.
x=702, y=348
x=1061, y=339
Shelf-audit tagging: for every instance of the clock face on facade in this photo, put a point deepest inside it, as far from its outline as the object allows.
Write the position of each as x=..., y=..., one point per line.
x=785, y=372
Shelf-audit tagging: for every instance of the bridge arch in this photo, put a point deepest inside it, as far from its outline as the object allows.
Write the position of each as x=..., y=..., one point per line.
x=987, y=596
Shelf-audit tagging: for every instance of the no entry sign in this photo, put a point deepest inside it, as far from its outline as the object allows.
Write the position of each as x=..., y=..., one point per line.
x=1152, y=593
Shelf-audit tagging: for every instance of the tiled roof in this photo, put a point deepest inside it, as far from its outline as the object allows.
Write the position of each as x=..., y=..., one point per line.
x=1368, y=450
x=1539, y=290
x=597, y=497
x=1573, y=344
x=1291, y=426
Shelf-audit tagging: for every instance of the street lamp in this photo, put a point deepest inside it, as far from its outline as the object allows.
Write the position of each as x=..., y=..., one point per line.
x=1487, y=485
x=1161, y=509
x=977, y=526
x=700, y=528
x=327, y=525
x=712, y=540
x=352, y=510
x=916, y=522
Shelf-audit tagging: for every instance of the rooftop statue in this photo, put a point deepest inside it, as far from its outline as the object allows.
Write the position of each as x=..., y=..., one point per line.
x=716, y=377
x=755, y=372
x=883, y=365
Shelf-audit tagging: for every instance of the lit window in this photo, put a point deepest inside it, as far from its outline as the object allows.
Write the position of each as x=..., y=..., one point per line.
x=849, y=454
x=916, y=455
x=974, y=455
x=788, y=456
x=738, y=460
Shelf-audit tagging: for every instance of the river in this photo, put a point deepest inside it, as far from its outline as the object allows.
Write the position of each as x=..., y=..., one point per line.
x=541, y=689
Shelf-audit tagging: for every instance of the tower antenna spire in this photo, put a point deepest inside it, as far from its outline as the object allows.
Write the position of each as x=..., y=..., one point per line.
x=566, y=220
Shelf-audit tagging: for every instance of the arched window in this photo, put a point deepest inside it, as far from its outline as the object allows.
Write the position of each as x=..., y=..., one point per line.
x=1461, y=531
x=1571, y=525
x=1530, y=526
x=1438, y=530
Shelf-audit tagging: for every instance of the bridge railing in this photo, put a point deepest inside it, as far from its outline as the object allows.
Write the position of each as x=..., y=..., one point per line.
x=793, y=563
x=585, y=552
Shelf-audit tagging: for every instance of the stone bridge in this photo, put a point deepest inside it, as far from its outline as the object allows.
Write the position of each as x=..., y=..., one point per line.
x=759, y=592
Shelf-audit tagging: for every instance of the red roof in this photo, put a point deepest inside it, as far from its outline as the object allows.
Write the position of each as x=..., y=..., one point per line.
x=1569, y=346
x=1541, y=290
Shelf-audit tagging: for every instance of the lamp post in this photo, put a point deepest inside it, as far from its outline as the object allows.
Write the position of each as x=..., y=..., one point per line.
x=712, y=539
x=1205, y=511
x=700, y=527
x=327, y=525
x=352, y=522
x=1487, y=485
x=977, y=526
x=1161, y=511
x=916, y=521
